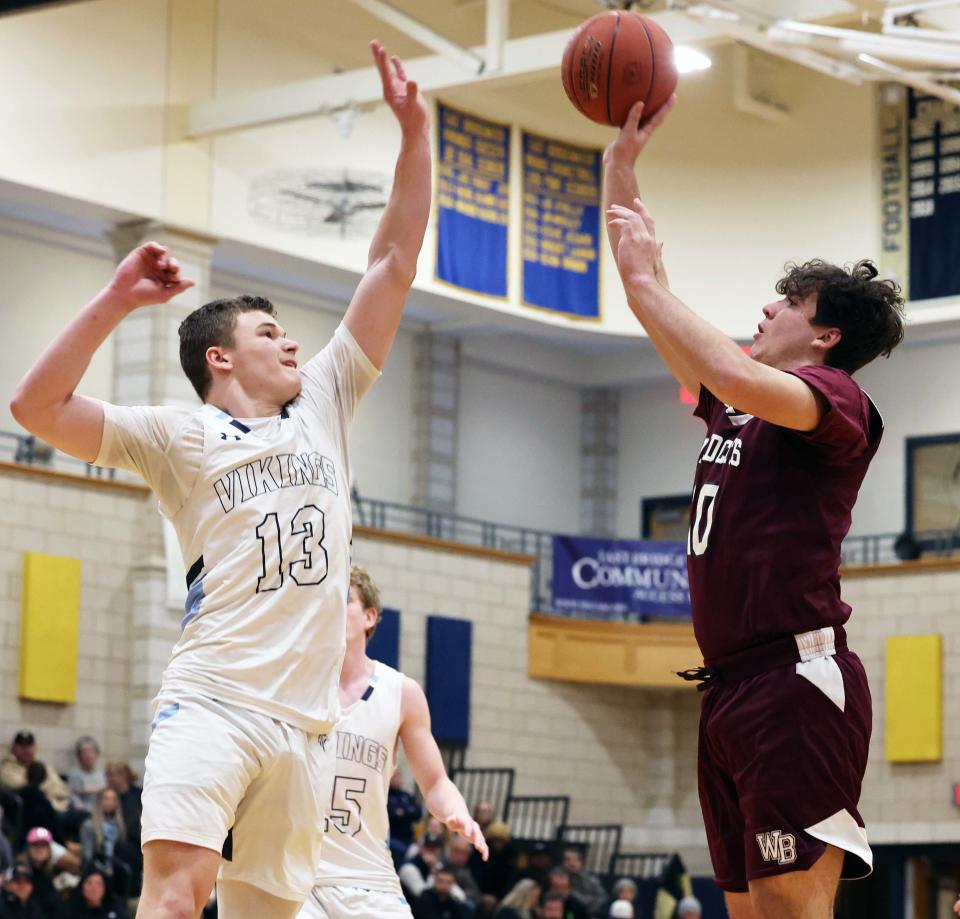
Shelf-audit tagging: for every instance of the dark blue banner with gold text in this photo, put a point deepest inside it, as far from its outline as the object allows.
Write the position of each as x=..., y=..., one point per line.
x=934, y=126
x=473, y=202
x=561, y=227
x=619, y=579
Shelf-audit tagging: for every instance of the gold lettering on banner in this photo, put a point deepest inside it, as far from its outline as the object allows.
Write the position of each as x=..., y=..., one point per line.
x=894, y=145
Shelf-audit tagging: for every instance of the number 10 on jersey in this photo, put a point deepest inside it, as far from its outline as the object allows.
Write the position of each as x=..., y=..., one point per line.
x=702, y=518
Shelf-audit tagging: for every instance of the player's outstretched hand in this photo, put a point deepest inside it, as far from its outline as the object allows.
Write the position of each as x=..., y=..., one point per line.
x=638, y=253
x=635, y=133
x=148, y=275
x=470, y=830
x=400, y=92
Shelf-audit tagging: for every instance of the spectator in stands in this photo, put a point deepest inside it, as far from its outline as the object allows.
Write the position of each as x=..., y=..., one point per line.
x=689, y=908
x=16, y=901
x=560, y=886
x=621, y=909
x=45, y=854
x=36, y=858
x=625, y=889
x=437, y=901
x=13, y=771
x=483, y=815
x=104, y=830
x=458, y=858
x=86, y=780
x=37, y=809
x=552, y=906
x=404, y=812
x=521, y=902
x=415, y=873
x=496, y=875
x=123, y=780
x=584, y=884
x=6, y=850
x=92, y=898
x=539, y=864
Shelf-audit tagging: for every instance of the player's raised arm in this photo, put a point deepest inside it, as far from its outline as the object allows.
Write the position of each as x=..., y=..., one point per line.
x=373, y=316
x=441, y=796
x=701, y=350
x=620, y=187
x=44, y=401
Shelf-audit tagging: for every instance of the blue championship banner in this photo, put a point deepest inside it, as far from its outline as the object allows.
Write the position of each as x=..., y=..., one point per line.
x=620, y=579
x=920, y=192
x=561, y=227
x=473, y=202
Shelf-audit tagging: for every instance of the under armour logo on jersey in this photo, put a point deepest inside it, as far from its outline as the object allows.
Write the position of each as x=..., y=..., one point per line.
x=778, y=847
x=322, y=740
x=225, y=436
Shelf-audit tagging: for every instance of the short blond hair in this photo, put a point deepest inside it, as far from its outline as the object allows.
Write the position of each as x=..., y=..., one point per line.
x=369, y=593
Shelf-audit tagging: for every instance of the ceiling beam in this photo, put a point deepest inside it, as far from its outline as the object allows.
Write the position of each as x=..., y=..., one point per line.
x=419, y=32
x=524, y=59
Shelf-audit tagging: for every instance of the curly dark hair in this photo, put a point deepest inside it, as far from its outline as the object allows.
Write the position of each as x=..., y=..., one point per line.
x=867, y=311
x=212, y=326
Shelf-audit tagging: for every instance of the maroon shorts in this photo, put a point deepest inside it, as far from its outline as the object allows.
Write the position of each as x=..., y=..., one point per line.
x=781, y=761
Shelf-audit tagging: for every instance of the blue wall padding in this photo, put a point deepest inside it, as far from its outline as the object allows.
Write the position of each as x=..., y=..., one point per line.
x=385, y=644
x=448, y=678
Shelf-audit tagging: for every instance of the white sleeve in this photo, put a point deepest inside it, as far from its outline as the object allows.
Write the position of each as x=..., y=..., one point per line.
x=141, y=439
x=340, y=374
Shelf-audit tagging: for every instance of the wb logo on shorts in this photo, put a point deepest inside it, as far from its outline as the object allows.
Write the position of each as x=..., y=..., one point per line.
x=777, y=847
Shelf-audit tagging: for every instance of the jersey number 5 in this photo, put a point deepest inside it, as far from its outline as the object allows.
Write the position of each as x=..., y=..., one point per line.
x=345, y=807
x=308, y=554
x=702, y=519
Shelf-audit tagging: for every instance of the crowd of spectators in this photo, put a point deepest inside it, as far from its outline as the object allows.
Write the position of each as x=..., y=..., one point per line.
x=70, y=848
x=70, y=845
x=443, y=878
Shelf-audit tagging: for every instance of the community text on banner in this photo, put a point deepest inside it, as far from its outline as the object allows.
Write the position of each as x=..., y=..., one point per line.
x=620, y=579
x=473, y=201
x=561, y=227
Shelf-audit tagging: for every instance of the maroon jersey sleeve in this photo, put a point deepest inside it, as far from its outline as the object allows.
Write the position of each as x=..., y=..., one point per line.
x=706, y=405
x=851, y=424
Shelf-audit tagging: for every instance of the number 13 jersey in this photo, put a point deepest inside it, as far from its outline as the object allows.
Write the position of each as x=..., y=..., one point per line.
x=261, y=508
x=356, y=844
x=769, y=511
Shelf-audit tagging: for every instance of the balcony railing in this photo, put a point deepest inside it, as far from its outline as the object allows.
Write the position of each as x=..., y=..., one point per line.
x=873, y=549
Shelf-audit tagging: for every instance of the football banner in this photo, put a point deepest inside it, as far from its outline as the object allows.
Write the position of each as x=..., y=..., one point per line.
x=920, y=192
x=473, y=201
x=619, y=579
x=561, y=227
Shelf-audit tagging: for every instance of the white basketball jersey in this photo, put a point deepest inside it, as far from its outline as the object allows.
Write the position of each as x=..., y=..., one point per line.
x=356, y=847
x=261, y=508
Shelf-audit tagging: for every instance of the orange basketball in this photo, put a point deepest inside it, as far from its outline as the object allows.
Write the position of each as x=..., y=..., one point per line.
x=615, y=59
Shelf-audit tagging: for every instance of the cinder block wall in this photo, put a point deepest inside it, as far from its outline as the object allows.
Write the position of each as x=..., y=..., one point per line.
x=623, y=755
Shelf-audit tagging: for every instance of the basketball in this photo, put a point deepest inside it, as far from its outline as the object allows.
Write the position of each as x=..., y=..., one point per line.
x=615, y=59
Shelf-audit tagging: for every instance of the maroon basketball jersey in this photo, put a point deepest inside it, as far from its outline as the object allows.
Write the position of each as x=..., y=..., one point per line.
x=769, y=510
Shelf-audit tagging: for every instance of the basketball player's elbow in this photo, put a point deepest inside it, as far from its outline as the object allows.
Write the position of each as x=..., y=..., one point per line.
x=24, y=409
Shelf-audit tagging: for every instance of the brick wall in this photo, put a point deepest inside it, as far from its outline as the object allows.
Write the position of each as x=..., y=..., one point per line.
x=623, y=755
x=101, y=525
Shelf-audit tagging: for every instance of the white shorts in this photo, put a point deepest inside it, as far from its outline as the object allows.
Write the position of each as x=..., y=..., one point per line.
x=213, y=768
x=354, y=903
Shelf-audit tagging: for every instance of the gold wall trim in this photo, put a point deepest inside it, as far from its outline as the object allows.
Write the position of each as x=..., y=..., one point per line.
x=444, y=545
x=619, y=653
x=67, y=478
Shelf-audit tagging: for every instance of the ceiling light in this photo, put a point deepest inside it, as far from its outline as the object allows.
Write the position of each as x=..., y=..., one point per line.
x=689, y=60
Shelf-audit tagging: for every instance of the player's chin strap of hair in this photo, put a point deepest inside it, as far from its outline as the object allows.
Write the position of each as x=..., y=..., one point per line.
x=705, y=676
